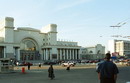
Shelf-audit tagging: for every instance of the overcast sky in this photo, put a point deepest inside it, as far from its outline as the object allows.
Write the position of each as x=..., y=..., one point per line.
x=84, y=21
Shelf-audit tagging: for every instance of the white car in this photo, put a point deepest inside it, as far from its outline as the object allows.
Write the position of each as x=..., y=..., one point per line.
x=97, y=65
x=68, y=64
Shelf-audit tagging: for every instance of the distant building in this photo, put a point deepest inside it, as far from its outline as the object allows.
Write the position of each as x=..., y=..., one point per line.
x=27, y=43
x=119, y=47
x=93, y=52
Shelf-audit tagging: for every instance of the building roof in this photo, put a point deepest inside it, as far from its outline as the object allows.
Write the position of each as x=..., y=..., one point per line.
x=27, y=28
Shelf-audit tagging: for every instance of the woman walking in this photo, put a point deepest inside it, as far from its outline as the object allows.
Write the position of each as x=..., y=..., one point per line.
x=51, y=72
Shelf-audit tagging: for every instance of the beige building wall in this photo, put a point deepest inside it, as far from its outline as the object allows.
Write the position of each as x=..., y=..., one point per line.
x=93, y=52
x=121, y=46
x=25, y=43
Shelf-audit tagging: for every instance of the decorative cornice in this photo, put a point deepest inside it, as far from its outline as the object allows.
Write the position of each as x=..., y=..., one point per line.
x=52, y=32
x=57, y=46
x=6, y=43
x=9, y=27
x=28, y=29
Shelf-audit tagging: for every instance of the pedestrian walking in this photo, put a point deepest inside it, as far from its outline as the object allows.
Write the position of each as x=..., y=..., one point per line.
x=39, y=65
x=107, y=70
x=51, y=72
x=29, y=66
x=68, y=67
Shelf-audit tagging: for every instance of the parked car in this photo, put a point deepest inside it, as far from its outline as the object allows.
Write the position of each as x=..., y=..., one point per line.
x=84, y=61
x=71, y=63
x=97, y=65
x=49, y=62
x=24, y=63
x=128, y=63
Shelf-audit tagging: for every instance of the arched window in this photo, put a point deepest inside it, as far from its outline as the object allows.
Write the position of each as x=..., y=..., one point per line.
x=28, y=44
x=91, y=51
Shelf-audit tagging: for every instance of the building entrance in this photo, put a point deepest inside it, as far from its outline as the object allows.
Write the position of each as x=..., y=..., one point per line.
x=29, y=50
x=29, y=55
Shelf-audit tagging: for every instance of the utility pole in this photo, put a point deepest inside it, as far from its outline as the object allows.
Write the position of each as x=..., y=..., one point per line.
x=118, y=25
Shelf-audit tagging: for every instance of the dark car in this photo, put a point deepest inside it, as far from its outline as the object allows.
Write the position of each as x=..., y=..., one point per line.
x=50, y=62
x=25, y=64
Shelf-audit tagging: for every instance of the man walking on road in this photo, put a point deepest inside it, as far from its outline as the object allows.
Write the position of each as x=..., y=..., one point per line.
x=51, y=72
x=107, y=71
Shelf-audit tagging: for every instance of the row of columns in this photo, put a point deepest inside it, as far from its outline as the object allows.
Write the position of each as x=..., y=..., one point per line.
x=68, y=54
x=47, y=54
x=62, y=54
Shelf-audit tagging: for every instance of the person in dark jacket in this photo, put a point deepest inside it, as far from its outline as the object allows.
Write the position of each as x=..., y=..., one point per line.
x=51, y=72
x=107, y=71
x=40, y=65
x=68, y=67
x=29, y=66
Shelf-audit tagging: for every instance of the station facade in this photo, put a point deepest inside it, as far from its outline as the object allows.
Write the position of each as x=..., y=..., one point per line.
x=25, y=43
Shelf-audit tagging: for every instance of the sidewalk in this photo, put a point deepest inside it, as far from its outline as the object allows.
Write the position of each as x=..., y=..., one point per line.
x=79, y=66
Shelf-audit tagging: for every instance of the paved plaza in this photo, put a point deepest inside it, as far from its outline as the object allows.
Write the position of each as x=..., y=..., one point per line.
x=75, y=75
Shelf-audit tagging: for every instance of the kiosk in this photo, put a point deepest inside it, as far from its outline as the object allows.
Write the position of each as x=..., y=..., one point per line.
x=6, y=65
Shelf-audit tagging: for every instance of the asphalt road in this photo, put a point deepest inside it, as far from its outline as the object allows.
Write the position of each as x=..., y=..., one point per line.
x=79, y=75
